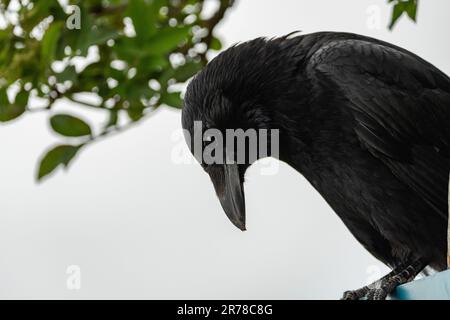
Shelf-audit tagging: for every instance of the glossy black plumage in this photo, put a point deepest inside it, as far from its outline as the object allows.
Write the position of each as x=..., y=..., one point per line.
x=366, y=122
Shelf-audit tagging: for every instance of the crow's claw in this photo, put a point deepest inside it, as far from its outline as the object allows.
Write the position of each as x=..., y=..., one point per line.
x=379, y=290
x=355, y=294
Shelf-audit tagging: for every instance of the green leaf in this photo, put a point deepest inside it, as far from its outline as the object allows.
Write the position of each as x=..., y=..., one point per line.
x=400, y=7
x=59, y=155
x=166, y=40
x=69, y=126
x=153, y=63
x=215, y=44
x=82, y=40
x=172, y=99
x=68, y=74
x=397, y=11
x=101, y=35
x=22, y=98
x=113, y=118
x=92, y=32
x=186, y=71
x=93, y=36
x=50, y=42
x=411, y=9
x=37, y=14
x=135, y=111
x=143, y=19
x=136, y=92
x=129, y=49
x=10, y=111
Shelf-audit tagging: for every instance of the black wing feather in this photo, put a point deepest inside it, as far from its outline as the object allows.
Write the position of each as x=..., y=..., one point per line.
x=401, y=105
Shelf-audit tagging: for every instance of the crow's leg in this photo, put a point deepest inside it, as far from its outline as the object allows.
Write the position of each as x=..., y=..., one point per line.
x=362, y=292
x=386, y=285
x=402, y=276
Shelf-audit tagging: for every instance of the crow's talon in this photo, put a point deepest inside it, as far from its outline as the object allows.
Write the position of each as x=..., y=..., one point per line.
x=355, y=294
x=349, y=295
x=367, y=294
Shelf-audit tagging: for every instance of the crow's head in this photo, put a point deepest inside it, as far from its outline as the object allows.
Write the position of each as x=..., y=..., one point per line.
x=228, y=115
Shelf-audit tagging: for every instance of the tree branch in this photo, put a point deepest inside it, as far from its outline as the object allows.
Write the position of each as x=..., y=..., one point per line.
x=86, y=104
x=99, y=10
x=211, y=23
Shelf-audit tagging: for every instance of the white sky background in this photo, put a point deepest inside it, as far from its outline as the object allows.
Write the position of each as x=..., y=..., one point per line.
x=140, y=226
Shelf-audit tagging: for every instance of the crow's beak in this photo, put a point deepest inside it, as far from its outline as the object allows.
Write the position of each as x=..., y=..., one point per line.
x=230, y=191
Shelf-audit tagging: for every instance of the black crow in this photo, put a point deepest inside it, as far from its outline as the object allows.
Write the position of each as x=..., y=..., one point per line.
x=367, y=123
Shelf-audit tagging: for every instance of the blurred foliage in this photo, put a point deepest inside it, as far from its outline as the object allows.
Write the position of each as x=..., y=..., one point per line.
x=134, y=54
x=401, y=7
